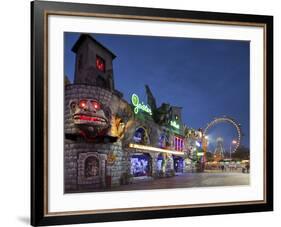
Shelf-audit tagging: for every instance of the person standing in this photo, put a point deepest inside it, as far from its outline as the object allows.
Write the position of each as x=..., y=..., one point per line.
x=248, y=167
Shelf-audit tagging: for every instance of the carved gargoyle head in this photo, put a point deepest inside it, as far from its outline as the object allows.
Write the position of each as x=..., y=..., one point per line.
x=90, y=116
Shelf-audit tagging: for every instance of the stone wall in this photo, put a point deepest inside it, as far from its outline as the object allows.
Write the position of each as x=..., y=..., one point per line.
x=153, y=130
x=110, y=174
x=120, y=166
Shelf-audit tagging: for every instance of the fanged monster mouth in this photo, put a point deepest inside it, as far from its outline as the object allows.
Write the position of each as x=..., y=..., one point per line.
x=88, y=118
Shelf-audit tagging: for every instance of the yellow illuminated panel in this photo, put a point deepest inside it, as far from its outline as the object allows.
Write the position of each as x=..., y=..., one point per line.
x=156, y=149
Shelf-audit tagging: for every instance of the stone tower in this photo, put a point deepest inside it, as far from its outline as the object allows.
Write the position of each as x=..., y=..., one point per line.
x=92, y=157
x=93, y=64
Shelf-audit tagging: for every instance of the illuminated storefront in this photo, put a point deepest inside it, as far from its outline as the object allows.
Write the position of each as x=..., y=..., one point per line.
x=141, y=165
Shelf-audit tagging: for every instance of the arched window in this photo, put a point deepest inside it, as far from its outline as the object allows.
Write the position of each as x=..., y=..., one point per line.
x=140, y=136
x=91, y=167
x=164, y=139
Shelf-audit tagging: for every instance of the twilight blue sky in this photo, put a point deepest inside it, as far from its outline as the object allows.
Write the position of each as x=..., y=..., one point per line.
x=208, y=78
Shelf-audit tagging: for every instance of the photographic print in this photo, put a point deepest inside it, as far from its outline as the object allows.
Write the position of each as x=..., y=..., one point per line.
x=148, y=112
x=140, y=113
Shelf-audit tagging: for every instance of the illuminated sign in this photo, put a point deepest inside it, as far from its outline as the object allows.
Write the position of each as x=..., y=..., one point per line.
x=175, y=124
x=140, y=106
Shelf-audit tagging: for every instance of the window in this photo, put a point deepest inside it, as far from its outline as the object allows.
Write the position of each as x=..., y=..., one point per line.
x=140, y=136
x=178, y=143
x=91, y=167
x=100, y=64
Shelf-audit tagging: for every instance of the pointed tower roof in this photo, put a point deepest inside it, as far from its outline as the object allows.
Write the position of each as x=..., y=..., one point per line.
x=83, y=37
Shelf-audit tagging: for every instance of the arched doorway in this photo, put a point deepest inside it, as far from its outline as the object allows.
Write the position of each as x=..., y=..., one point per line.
x=178, y=164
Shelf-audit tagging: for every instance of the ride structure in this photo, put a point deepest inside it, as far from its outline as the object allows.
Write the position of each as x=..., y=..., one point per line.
x=228, y=120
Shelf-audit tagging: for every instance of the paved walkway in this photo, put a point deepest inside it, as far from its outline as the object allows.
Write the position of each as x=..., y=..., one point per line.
x=188, y=180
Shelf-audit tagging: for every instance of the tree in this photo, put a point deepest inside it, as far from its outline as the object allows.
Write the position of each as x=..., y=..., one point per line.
x=242, y=153
x=209, y=156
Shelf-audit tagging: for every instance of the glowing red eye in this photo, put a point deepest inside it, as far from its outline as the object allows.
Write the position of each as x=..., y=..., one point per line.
x=96, y=105
x=82, y=104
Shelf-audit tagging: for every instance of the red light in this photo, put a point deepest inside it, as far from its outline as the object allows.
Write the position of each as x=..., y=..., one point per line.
x=82, y=104
x=88, y=118
x=96, y=105
x=100, y=64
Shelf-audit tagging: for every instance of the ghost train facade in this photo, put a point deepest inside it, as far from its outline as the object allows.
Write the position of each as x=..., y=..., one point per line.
x=109, y=141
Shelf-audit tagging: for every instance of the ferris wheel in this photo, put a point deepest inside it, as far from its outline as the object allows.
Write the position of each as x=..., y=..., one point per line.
x=228, y=120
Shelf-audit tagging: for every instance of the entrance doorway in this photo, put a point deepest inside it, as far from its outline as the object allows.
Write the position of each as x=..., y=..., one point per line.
x=141, y=165
x=178, y=164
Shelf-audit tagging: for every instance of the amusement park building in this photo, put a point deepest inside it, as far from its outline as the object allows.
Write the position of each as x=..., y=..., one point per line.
x=110, y=141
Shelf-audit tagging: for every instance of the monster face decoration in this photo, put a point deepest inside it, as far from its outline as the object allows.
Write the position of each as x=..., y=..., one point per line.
x=91, y=117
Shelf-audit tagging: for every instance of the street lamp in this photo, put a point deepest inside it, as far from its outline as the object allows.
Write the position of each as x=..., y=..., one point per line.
x=232, y=142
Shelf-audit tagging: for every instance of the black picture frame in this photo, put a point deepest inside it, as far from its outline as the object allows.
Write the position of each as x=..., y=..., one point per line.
x=39, y=110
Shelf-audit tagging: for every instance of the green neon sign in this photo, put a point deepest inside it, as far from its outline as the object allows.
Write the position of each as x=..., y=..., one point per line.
x=140, y=106
x=175, y=124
